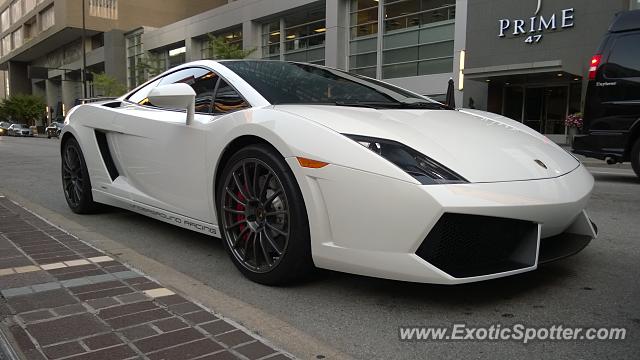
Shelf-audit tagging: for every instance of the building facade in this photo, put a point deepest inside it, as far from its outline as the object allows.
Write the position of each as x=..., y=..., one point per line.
x=529, y=59
x=41, y=48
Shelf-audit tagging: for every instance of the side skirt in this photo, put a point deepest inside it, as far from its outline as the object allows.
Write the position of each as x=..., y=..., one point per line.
x=156, y=213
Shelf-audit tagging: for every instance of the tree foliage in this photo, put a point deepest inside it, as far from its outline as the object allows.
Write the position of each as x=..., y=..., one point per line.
x=107, y=85
x=148, y=67
x=220, y=48
x=24, y=109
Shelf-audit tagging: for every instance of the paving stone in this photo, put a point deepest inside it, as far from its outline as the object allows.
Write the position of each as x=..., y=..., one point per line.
x=125, y=274
x=223, y=355
x=128, y=309
x=7, y=271
x=102, y=341
x=131, y=298
x=184, y=308
x=75, y=282
x=96, y=287
x=217, y=327
x=171, y=300
x=138, y=332
x=16, y=291
x=14, y=262
x=76, y=262
x=166, y=340
x=67, y=270
x=115, y=269
x=104, y=293
x=159, y=292
x=170, y=324
x=234, y=338
x=137, y=280
x=41, y=300
x=36, y=315
x=62, y=350
x=138, y=318
x=113, y=353
x=79, y=274
x=187, y=351
x=53, y=266
x=200, y=317
x=101, y=278
x=101, y=259
x=26, y=279
x=70, y=309
x=146, y=286
x=21, y=338
x=102, y=303
x=67, y=328
x=277, y=357
x=45, y=286
x=26, y=269
x=255, y=350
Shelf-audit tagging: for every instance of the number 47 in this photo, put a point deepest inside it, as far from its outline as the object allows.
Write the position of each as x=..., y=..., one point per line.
x=531, y=39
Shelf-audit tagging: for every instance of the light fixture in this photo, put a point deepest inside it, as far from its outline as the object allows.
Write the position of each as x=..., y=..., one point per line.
x=488, y=80
x=461, y=71
x=576, y=79
x=178, y=51
x=320, y=30
x=559, y=74
x=275, y=33
x=291, y=36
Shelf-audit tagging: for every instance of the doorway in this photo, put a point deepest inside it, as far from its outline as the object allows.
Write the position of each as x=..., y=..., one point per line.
x=542, y=108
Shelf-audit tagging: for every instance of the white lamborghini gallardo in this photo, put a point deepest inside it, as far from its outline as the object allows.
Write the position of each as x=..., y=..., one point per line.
x=296, y=165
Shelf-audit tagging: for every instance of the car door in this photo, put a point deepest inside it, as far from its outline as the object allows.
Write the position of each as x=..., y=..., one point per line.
x=162, y=158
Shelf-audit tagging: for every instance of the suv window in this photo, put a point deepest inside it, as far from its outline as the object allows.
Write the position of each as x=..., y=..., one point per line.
x=624, y=61
x=203, y=82
x=228, y=99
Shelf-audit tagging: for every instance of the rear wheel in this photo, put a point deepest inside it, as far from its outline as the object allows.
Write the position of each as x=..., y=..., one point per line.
x=262, y=217
x=635, y=157
x=75, y=179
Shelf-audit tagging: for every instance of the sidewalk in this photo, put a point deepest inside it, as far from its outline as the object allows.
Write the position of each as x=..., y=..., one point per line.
x=63, y=299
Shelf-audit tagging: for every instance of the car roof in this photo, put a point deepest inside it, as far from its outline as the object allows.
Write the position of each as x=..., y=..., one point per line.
x=626, y=21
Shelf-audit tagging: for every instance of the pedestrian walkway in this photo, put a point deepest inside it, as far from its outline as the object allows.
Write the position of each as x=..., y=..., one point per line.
x=63, y=299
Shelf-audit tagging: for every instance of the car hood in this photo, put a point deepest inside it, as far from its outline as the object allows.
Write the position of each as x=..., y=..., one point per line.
x=480, y=146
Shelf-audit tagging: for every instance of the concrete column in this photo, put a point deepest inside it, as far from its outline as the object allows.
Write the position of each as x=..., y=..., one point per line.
x=53, y=95
x=193, y=48
x=71, y=89
x=337, y=25
x=251, y=38
x=115, y=55
x=459, y=45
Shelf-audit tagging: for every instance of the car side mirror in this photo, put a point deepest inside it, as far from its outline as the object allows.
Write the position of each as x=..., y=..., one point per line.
x=175, y=96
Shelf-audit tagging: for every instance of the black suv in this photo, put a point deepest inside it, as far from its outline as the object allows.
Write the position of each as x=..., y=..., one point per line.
x=611, y=129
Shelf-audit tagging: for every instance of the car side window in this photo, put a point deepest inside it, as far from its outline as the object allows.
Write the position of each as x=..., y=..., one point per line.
x=203, y=82
x=140, y=96
x=624, y=61
x=228, y=99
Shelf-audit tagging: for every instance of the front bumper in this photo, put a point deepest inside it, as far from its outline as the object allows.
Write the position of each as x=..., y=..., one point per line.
x=373, y=225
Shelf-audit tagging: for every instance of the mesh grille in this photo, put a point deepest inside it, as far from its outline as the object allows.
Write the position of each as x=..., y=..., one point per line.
x=471, y=245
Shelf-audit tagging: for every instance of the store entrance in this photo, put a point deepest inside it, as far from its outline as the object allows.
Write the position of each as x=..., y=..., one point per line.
x=543, y=108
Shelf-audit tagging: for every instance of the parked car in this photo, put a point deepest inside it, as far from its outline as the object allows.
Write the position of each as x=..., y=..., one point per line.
x=298, y=165
x=611, y=129
x=4, y=128
x=20, y=130
x=54, y=129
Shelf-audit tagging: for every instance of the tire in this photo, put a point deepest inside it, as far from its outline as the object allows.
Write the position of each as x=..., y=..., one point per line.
x=267, y=238
x=48, y=136
x=76, y=183
x=635, y=157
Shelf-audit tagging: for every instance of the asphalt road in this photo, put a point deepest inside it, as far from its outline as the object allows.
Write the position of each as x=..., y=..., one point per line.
x=360, y=316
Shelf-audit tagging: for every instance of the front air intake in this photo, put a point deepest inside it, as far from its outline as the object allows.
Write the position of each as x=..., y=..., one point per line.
x=471, y=245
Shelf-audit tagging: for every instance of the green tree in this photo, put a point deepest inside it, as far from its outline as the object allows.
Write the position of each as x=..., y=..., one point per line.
x=220, y=48
x=25, y=109
x=108, y=85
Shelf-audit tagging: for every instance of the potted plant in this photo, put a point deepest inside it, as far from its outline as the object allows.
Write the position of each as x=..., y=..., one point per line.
x=573, y=122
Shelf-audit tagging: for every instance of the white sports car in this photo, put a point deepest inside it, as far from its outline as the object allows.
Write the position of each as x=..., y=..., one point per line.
x=297, y=165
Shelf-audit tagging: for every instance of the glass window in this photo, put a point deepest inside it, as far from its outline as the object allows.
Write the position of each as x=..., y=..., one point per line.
x=47, y=18
x=232, y=37
x=135, y=62
x=364, y=18
x=16, y=37
x=202, y=81
x=16, y=11
x=5, y=19
x=177, y=56
x=624, y=61
x=291, y=83
x=6, y=45
x=140, y=96
x=271, y=40
x=228, y=99
x=29, y=5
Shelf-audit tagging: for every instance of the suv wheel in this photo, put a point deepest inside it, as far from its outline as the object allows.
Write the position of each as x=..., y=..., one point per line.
x=635, y=157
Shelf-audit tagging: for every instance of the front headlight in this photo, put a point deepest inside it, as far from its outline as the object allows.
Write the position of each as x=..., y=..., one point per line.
x=421, y=167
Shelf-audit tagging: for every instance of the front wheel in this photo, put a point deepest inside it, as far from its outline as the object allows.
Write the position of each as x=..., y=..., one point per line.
x=75, y=179
x=635, y=157
x=263, y=218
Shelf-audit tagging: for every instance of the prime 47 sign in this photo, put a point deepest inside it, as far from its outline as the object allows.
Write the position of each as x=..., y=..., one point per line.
x=534, y=27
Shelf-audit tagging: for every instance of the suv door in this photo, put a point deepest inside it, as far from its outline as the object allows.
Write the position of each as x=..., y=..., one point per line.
x=619, y=85
x=163, y=158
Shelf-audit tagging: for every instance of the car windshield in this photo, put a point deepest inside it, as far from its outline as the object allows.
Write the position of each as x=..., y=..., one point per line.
x=295, y=83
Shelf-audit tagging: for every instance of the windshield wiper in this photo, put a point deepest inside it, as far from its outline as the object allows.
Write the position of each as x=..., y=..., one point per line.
x=366, y=104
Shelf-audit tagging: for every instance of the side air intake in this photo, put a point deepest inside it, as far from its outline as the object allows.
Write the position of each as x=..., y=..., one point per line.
x=103, y=145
